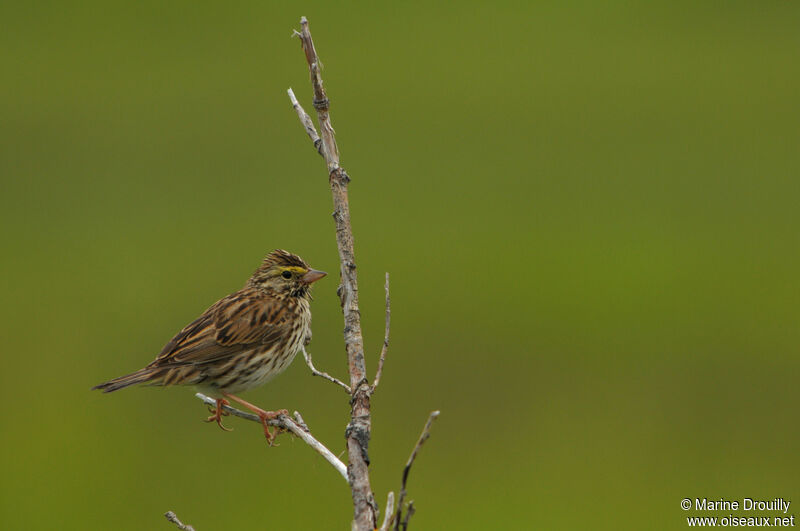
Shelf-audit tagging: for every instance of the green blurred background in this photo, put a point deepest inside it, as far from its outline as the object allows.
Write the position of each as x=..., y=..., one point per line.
x=589, y=212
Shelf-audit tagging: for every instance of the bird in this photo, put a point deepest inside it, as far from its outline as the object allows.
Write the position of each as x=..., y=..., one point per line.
x=241, y=341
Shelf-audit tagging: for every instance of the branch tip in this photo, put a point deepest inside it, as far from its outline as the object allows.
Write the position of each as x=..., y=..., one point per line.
x=399, y=521
x=306, y=122
x=172, y=517
x=385, y=346
x=388, y=517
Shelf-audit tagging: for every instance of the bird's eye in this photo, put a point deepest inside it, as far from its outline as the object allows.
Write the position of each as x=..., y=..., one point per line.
x=287, y=275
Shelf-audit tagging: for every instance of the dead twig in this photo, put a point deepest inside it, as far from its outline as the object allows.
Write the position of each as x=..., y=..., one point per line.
x=323, y=374
x=308, y=124
x=385, y=347
x=399, y=521
x=172, y=517
x=409, y=513
x=298, y=428
x=387, y=517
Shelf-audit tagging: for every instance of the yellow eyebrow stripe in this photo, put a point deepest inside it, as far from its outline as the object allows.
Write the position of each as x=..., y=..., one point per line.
x=295, y=269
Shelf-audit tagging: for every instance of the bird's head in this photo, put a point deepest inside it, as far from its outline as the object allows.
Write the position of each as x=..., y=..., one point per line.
x=285, y=274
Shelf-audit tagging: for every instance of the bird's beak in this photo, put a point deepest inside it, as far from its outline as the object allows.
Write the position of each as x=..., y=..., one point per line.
x=312, y=276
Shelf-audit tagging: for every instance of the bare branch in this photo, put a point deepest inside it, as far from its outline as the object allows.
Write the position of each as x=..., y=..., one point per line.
x=424, y=436
x=288, y=424
x=385, y=337
x=322, y=374
x=365, y=510
x=409, y=513
x=387, y=517
x=399, y=522
x=172, y=517
x=305, y=119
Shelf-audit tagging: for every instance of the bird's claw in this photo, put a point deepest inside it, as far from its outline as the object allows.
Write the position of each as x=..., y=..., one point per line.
x=266, y=416
x=218, y=413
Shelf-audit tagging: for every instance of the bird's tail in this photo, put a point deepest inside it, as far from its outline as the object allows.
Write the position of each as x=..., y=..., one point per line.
x=140, y=376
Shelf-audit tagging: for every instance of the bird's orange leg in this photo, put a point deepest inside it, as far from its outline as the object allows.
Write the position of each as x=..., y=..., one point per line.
x=263, y=415
x=219, y=413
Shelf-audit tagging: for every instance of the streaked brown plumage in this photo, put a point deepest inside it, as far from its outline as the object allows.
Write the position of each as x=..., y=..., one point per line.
x=243, y=340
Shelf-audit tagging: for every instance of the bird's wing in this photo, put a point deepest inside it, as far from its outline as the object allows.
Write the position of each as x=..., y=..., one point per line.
x=236, y=323
x=250, y=319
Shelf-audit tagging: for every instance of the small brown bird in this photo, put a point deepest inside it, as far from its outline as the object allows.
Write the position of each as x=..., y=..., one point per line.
x=240, y=342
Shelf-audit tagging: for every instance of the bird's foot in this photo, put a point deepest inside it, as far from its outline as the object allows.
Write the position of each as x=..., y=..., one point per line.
x=265, y=417
x=218, y=413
